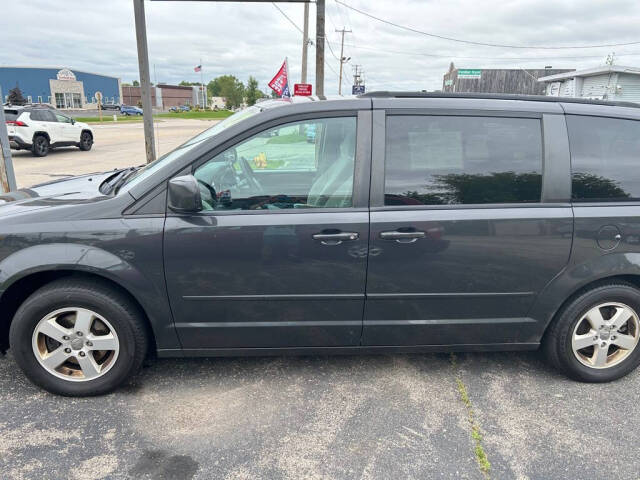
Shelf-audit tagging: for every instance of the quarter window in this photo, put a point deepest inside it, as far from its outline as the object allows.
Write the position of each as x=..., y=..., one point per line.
x=448, y=160
x=307, y=164
x=605, y=156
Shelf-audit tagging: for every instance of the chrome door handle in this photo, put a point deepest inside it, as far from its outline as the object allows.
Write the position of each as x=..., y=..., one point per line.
x=335, y=238
x=402, y=237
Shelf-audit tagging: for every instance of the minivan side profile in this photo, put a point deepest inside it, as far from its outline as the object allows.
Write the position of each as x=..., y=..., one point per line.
x=390, y=222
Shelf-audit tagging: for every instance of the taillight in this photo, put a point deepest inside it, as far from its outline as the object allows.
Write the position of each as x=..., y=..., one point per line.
x=16, y=123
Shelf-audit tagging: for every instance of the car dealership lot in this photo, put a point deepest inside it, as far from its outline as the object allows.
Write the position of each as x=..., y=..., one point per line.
x=392, y=416
x=116, y=146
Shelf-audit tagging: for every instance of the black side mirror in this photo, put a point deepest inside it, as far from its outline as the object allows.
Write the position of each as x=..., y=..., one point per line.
x=73, y=122
x=184, y=194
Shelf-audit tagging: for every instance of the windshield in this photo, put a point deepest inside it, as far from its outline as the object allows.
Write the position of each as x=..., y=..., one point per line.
x=154, y=166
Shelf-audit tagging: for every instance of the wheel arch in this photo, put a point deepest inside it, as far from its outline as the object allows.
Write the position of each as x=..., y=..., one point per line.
x=40, y=133
x=18, y=291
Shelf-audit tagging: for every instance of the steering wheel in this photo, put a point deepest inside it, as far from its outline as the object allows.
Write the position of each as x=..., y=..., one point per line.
x=211, y=191
x=248, y=173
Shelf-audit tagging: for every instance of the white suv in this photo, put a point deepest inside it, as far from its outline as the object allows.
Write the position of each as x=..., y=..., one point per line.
x=40, y=129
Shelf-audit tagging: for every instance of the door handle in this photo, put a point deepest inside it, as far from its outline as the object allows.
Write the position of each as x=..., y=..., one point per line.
x=335, y=238
x=402, y=237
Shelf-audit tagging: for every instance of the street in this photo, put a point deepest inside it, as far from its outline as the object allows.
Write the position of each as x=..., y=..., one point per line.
x=342, y=417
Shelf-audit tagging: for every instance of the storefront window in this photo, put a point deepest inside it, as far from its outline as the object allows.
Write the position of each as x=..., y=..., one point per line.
x=60, y=100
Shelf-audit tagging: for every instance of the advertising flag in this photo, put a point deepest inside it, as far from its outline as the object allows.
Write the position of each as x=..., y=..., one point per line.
x=280, y=83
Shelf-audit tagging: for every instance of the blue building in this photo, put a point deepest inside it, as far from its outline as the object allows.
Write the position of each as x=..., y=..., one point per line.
x=60, y=87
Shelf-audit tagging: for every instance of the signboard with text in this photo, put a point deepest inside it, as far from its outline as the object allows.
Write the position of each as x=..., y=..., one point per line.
x=357, y=89
x=468, y=73
x=302, y=89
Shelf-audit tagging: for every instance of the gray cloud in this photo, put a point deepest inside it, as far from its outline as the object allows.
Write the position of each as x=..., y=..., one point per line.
x=253, y=39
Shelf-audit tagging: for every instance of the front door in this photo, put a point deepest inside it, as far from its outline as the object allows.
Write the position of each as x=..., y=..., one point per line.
x=70, y=133
x=277, y=258
x=462, y=239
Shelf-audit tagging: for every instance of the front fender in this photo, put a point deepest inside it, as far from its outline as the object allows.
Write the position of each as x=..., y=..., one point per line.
x=577, y=276
x=148, y=290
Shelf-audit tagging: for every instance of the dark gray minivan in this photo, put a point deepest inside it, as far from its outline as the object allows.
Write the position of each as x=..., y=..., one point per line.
x=391, y=222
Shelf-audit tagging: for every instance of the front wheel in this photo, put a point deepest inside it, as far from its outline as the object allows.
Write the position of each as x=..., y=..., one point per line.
x=76, y=338
x=595, y=337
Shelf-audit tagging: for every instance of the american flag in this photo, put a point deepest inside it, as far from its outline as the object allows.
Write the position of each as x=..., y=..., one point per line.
x=198, y=68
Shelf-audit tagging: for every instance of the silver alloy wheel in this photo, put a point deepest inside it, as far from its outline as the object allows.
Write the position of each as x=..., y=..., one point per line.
x=606, y=335
x=75, y=344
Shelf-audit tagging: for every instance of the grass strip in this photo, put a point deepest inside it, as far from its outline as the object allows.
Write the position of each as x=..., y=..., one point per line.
x=476, y=434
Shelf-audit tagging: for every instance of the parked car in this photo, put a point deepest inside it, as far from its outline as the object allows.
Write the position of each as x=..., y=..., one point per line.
x=130, y=110
x=181, y=108
x=413, y=222
x=40, y=129
x=111, y=106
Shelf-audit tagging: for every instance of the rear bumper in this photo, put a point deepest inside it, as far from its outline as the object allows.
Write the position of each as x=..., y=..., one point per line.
x=17, y=143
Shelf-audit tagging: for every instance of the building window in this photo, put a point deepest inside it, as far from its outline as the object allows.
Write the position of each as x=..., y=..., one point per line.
x=77, y=100
x=60, y=100
x=39, y=98
x=29, y=99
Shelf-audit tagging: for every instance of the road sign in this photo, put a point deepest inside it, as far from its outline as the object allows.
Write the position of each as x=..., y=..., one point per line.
x=302, y=89
x=357, y=89
x=98, y=96
x=467, y=73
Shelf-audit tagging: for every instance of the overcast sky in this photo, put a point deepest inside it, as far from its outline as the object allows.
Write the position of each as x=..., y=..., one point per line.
x=253, y=39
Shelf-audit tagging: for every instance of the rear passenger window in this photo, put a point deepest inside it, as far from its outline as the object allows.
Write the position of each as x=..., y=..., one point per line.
x=448, y=160
x=605, y=158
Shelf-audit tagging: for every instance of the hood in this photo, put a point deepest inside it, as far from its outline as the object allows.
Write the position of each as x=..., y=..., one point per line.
x=66, y=191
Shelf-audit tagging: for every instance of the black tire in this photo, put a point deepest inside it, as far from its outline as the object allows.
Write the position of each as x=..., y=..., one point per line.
x=557, y=340
x=99, y=297
x=86, y=141
x=40, y=146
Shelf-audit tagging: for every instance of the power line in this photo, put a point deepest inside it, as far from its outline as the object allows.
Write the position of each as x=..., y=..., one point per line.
x=434, y=55
x=287, y=17
x=470, y=42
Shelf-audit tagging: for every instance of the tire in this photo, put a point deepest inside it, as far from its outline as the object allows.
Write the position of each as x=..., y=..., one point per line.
x=54, y=300
x=577, y=322
x=40, y=146
x=86, y=141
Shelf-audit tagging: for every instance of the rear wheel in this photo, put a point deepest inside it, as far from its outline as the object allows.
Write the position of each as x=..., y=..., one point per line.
x=595, y=337
x=76, y=338
x=40, y=146
x=86, y=141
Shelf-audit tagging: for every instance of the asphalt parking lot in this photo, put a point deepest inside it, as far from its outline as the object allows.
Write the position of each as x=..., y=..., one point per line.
x=341, y=417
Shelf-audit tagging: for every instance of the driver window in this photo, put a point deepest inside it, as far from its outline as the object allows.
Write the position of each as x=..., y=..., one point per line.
x=306, y=164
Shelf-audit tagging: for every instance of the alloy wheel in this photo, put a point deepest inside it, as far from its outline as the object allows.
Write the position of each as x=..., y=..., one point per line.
x=75, y=344
x=605, y=335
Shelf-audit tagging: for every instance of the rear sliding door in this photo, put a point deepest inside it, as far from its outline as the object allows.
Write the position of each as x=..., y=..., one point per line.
x=465, y=232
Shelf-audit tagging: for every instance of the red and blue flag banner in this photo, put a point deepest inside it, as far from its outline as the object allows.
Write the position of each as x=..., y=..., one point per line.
x=280, y=83
x=198, y=68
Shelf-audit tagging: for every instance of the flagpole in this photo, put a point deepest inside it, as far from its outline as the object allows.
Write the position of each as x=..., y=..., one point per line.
x=204, y=101
x=286, y=63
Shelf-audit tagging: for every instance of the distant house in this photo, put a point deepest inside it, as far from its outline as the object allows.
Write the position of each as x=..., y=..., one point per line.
x=608, y=82
x=487, y=80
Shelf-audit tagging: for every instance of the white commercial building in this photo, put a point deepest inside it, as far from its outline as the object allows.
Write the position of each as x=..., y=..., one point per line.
x=609, y=82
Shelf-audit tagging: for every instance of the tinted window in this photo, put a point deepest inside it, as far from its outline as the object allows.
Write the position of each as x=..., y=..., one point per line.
x=62, y=118
x=605, y=156
x=445, y=160
x=307, y=164
x=11, y=115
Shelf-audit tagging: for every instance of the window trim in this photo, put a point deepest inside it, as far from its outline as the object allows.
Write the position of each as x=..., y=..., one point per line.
x=554, y=192
x=361, y=177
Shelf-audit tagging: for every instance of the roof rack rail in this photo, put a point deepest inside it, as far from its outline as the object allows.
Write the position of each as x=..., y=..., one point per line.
x=495, y=96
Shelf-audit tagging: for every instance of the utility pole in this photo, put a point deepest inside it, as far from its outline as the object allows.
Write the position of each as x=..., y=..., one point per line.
x=320, y=48
x=305, y=43
x=357, y=75
x=342, y=58
x=7, y=177
x=145, y=79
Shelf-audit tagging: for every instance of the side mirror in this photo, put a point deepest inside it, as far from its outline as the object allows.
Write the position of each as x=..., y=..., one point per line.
x=73, y=122
x=184, y=194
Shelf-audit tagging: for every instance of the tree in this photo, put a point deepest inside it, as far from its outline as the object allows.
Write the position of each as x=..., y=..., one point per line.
x=136, y=83
x=253, y=93
x=184, y=83
x=15, y=96
x=228, y=87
